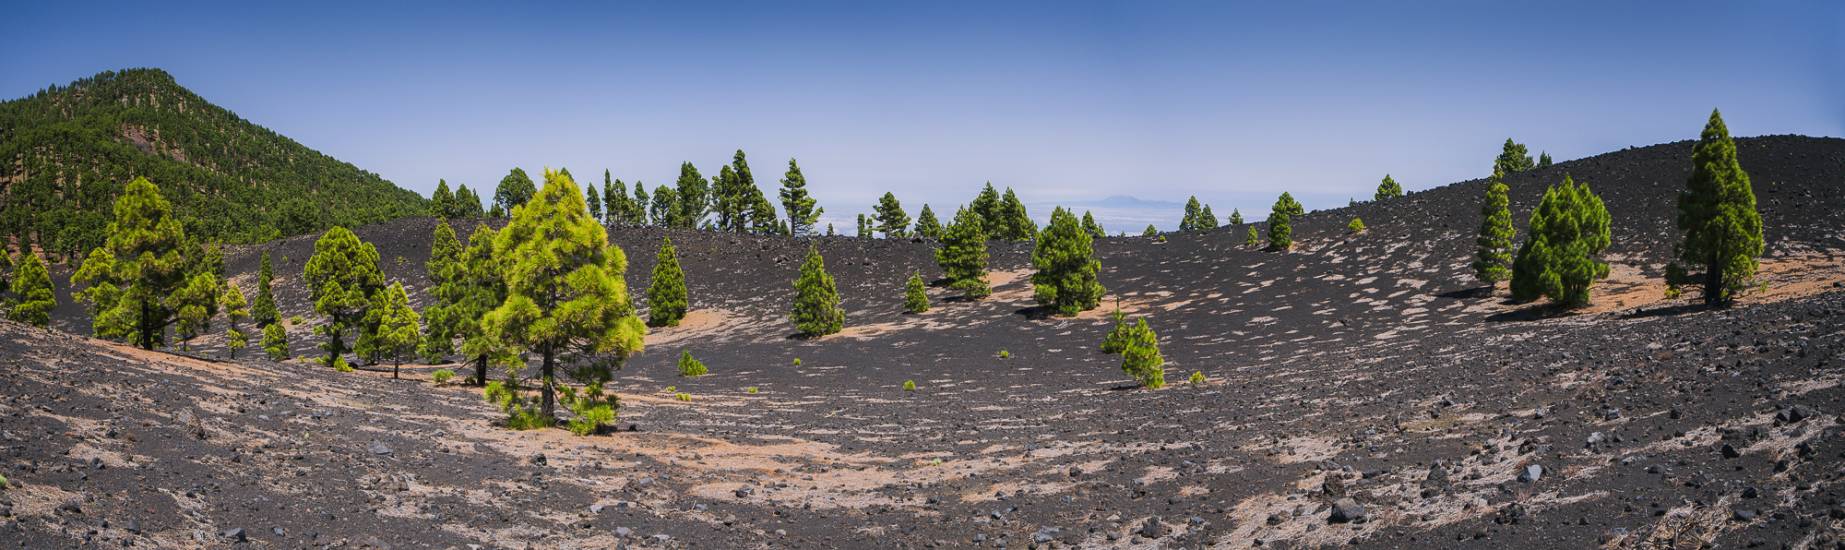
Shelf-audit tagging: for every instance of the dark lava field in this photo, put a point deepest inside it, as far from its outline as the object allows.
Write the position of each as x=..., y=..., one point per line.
x=1361, y=390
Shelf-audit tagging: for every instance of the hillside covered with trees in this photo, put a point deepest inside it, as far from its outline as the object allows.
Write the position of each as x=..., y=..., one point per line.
x=68, y=151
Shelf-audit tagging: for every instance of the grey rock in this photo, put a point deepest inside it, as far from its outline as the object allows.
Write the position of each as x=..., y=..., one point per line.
x=1152, y=529
x=378, y=448
x=1347, y=510
x=624, y=532
x=235, y=534
x=1531, y=473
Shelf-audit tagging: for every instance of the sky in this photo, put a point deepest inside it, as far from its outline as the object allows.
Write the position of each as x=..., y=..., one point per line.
x=1066, y=102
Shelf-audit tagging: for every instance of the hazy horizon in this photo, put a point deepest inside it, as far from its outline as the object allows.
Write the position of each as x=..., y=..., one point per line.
x=1064, y=102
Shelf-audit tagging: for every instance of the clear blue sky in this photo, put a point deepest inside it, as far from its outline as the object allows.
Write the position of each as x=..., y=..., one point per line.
x=1064, y=101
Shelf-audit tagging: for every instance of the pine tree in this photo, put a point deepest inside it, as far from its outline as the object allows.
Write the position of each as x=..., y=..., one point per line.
x=1543, y=160
x=1190, y=221
x=1150, y=231
x=692, y=198
x=1091, y=227
x=1717, y=213
x=864, y=227
x=992, y=214
x=443, y=201
x=514, y=190
x=1253, y=238
x=642, y=205
x=467, y=203
x=1493, y=261
x=1389, y=189
x=443, y=268
x=802, y=214
x=31, y=286
x=615, y=201
x=762, y=215
x=566, y=297
x=927, y=226
x=264, y=311
x=816, y=299
x=915, y=296
x=398, y=327
x=829, y=230
x=1558, y=260
x=195, y=303
x=1280, y=222
x=666, y=294
x=236, y=309
x=892, y=221
x=666, y=207
x=594, y=201
x=1140, y=356
x=1065, y=281
x=1018, y=224
x=1236, y=217
x=1513, y=158
x=143, y=262
x=275, y=342
x=342, y=276
x=6, y=270
x=1117, y=339
x=963, y=255
x=1206, y=220
x=467, y=298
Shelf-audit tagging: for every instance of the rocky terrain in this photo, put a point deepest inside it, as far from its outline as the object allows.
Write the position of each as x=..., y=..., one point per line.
x=1361, y=390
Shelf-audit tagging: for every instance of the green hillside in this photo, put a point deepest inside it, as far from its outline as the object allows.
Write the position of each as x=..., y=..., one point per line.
x=66, y=151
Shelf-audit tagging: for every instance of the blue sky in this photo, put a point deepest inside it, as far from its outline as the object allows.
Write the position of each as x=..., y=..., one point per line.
x=1064, y=101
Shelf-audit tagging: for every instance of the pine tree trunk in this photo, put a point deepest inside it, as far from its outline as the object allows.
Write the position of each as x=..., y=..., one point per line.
x=480, y=370
x=550, y=399
x=1713, y=282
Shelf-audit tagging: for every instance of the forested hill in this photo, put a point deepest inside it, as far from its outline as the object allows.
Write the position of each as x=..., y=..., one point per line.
x=66, y=151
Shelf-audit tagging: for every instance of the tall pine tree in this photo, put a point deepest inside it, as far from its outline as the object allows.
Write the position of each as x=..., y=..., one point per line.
x=566, y=298
x=1493, y=260
x=514, y=190
x=1017, y=222
x=1065, y=281
x=666, y=294
x=892, y=220
x=1513, y=158
x=264, y=310
x=144, y=261
x=691, y=199
x=802, y=214
x=443, y=269
x=1716, y=211
x=32, y=289
x=963, y=255
x=1389, y=189
x=342, y=277
x=927, y=226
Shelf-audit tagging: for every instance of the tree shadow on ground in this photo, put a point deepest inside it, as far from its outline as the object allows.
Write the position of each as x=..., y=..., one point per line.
x=1535, y=312
x=1669, y=311
x=1468, y=293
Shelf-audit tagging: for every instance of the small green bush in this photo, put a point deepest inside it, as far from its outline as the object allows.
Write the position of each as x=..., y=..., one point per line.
x=521, y=413
x=797, y=361
x=339, y=364
x=909, y=385
x=593, y=408
x=442, y=376
x=296, y=320
x=688, y=366
x=683, y=396
x=1197, y=377
x=672, y=389
x=750, y=390
x=1003, y=354
x=3, y=483
x=1357, y=226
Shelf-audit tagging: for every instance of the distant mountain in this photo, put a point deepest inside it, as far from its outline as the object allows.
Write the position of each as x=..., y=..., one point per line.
x=66, y=151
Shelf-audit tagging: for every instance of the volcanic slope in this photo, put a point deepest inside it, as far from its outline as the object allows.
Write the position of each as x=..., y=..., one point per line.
x=1364, y=367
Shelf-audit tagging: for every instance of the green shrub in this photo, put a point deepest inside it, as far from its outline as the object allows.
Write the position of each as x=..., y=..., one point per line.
x=442, y=376
x=339, y=364
x=750, y=390
x=688, y=366
x=672, y=389
x=1141, y=359
x=3, y=483
x=521, y=412
x=1116, y=341
x=909, y=385
x=275, y=342
x=1560, y=258
x=797, y=361
x=1003, y=354
x=593, y=408
x=1357, y=226
x=683, y=396
x=1197, y=377
x=296, y=320
x=915, y=298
